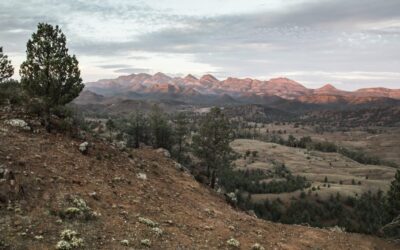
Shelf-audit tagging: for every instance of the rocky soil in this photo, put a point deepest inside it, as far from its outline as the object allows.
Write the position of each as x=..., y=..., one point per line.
x=54, y=196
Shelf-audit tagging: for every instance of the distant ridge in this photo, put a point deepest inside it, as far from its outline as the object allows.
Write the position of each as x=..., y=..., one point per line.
x=235, y=89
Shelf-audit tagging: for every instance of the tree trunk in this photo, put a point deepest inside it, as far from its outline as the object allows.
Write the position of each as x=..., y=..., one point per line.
x=213, y=179
x=46, y=119
x=179, y=151
x=137, y=142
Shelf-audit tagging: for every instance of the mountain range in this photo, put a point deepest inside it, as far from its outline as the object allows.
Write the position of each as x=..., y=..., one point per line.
x=209, y=90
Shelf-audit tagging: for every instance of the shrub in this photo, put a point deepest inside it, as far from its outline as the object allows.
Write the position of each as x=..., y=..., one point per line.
x=78, y=210
x=69, y=240
x=11, y=93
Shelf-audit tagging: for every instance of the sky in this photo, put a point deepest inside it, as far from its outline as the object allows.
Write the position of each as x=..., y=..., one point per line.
x=351, y=44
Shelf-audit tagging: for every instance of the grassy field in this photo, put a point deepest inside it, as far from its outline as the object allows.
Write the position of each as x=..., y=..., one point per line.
x=384, y=144
x=343, y=174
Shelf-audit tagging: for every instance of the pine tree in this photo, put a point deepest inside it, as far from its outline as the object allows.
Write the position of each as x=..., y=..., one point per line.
x=181, y=132
x=393, y=196
x=137, y=130
x=111, y=127
x=211, y=144
x=6, y=69
x=49, y=72
x=160, y=129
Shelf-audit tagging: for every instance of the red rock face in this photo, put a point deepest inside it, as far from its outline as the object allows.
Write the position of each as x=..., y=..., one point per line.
x=208, y=81
x=380, y=92
x=286, y=88
x=208, y=84
x=162, y=88
x=190, y=79
x=329, y=89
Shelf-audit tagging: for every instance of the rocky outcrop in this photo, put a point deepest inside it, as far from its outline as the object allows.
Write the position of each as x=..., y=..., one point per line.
x=18, y=123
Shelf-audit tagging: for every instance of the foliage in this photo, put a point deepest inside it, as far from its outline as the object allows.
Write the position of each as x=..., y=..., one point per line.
x=11, y=92
x=393, y=196
x=6, y=68
x=137, y=130
x=111, y=127
x=211, y=143
x=365, y=214
x=70, y=240
x=49, y=72
x=251, y=182
x=181, y=132
x=160, y=129
x=370, y=213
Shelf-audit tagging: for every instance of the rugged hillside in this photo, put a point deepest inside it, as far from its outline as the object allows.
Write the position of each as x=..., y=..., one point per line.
x=382, y=92
x=329, y=89
x=240, y=89
x=118, y=200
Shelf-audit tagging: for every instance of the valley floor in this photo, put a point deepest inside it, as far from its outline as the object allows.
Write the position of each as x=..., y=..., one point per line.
x=343, y=175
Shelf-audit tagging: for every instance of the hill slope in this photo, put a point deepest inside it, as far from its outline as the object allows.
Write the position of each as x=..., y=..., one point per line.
x=51, y=175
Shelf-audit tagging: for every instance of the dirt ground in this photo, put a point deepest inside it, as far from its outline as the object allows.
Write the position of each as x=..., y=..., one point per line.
x=125, y=190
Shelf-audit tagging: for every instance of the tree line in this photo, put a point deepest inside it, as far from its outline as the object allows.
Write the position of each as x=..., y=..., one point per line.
x=370, y=213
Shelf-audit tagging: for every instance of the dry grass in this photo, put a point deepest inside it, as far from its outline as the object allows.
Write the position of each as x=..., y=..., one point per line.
x=385, y=145
x=315, y=166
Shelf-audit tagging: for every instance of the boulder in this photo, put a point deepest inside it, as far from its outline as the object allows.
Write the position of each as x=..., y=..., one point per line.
x=146, y=242
x=121, y=145
x=125, y=242
x=141, y=176
x=231, y=198
x=18, y=123
x=164, y=152
x=84, y=147
x=257, y=246
x=181, y=168
x=252, y=213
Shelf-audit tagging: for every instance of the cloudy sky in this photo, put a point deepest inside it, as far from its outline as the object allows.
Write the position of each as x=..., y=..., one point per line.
x=349, y=43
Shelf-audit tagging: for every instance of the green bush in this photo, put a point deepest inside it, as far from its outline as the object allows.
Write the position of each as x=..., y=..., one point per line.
x=11, y=93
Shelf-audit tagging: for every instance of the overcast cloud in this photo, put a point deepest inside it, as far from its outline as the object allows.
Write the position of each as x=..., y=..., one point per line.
x=351, y=44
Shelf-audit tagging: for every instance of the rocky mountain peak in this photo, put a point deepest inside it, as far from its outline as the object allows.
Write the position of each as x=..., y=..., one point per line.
x=208, y=78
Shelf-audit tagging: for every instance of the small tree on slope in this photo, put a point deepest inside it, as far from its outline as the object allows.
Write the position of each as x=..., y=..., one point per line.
x=181, y=132
x=49, y=72
x=160, y=129
x=393, y=204
x=393, y=196
x=211, y=144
